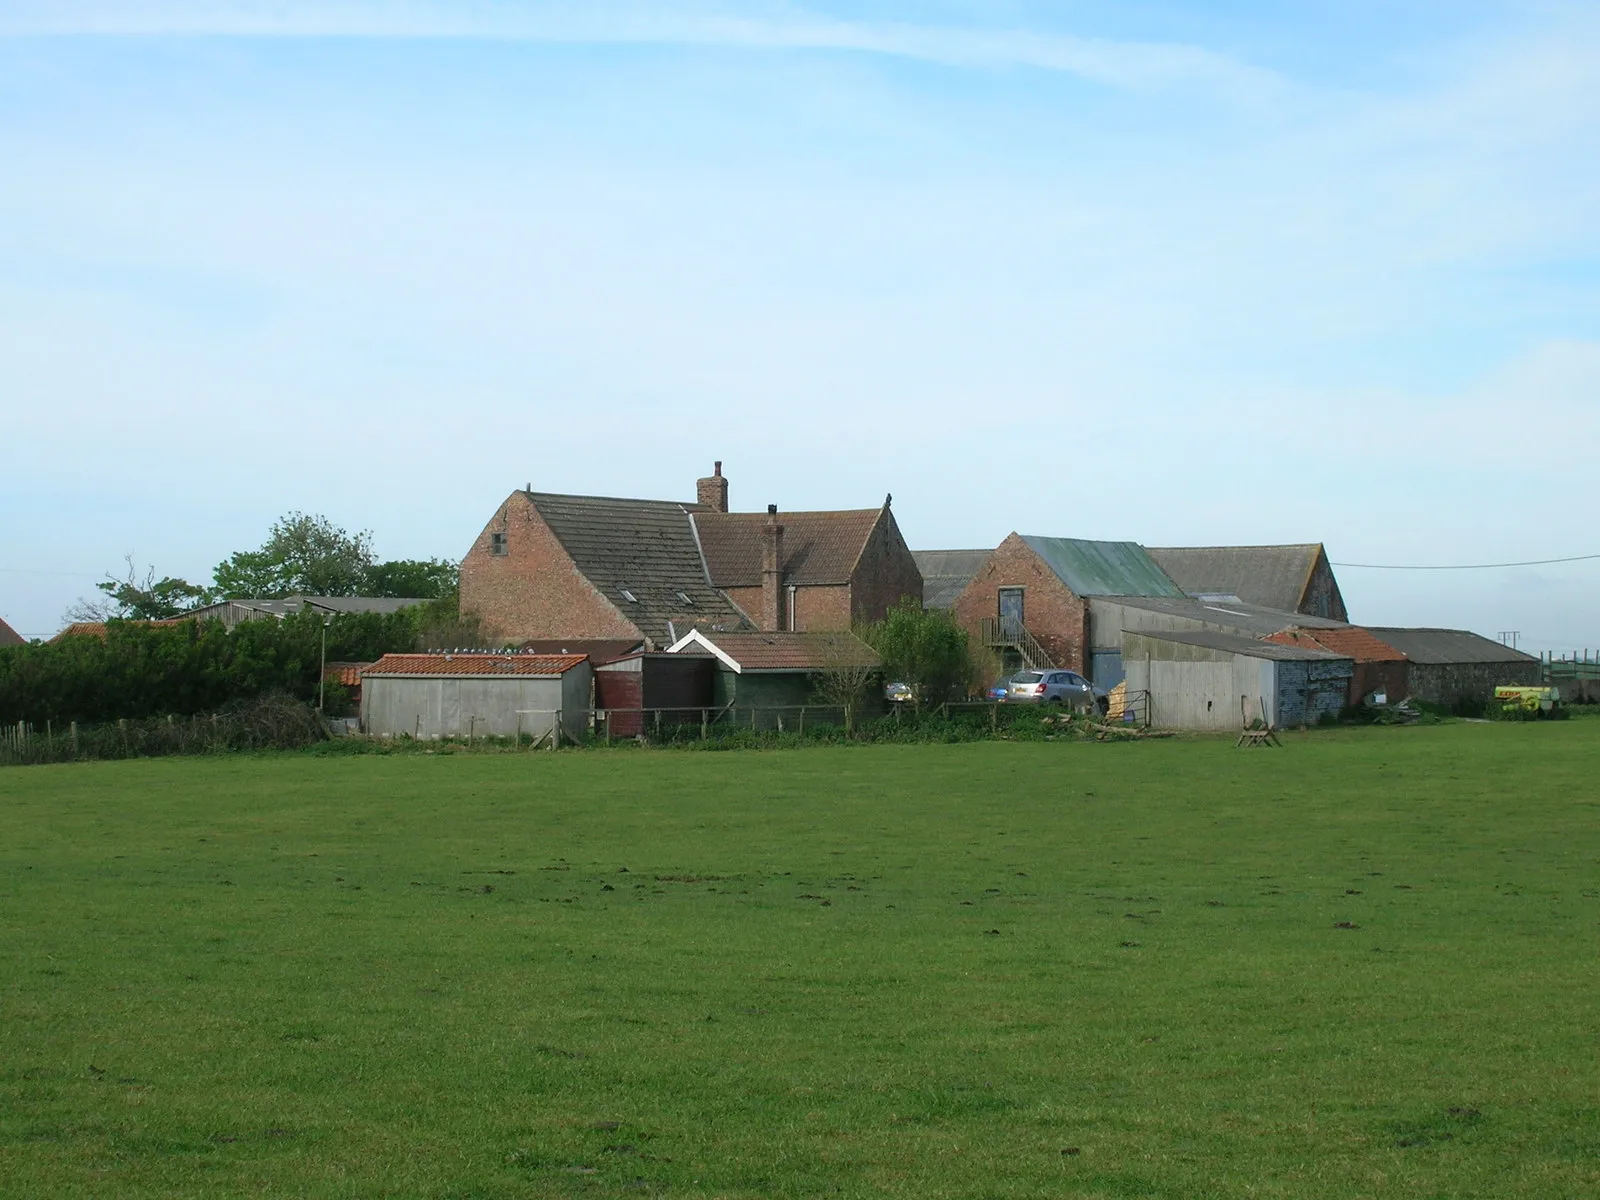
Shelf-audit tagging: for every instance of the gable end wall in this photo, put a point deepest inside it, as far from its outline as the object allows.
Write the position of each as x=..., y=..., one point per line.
x=1050, y=611
x=534, y=590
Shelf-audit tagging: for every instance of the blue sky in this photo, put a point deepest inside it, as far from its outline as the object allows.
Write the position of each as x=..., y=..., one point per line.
x=1182, y=273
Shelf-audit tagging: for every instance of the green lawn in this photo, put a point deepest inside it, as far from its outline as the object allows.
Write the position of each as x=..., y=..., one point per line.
x=1362, y=965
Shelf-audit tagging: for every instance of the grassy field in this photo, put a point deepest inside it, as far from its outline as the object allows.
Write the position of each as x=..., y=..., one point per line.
x=1363, y=965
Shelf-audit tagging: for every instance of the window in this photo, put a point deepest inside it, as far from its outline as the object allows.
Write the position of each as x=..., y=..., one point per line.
x=497, y=544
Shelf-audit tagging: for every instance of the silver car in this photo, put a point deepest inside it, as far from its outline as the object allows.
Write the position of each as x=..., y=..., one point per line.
x=1054, y=687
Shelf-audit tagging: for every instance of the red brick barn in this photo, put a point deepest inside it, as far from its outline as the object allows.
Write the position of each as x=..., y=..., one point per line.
x=1030, y=599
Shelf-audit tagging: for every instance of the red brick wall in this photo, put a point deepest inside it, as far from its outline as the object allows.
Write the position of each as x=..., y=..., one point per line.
x=886, y=573
x=1056, y=617
x=534, y=590
x=821, y=607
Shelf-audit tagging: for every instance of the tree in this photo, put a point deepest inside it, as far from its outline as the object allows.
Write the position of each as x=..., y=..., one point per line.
x=848, y=676
x=303, y=555
x=417, y=578
x=924, y=649
x=136, y=599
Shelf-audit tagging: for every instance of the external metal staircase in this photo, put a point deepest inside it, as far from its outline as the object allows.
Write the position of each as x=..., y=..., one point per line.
x=1001, y=634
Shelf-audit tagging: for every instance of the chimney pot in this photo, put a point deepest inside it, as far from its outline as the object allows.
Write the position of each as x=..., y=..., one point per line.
x=772, y=510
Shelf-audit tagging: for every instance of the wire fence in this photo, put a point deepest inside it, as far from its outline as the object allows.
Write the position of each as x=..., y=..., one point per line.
x=282, y=723
x=277, y=722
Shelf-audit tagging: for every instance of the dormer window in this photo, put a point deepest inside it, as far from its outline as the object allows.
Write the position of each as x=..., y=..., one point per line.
x=497, y=544
x=629, y=596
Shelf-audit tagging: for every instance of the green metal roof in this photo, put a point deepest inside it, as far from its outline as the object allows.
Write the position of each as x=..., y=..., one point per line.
x=1103, y=568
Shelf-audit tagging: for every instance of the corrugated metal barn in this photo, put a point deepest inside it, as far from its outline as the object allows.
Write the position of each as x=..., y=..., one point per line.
x=1212, y=680
x=475, y=695
x=1112, y=616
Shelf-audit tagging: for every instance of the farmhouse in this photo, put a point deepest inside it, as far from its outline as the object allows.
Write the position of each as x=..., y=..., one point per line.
x=772, y=676
x=1029, y=601
x=550, y=566
x=1225, y=680
x=475, y=695
x=1290, y=578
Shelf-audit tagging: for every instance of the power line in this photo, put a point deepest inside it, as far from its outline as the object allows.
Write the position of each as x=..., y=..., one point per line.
x=1535, y=562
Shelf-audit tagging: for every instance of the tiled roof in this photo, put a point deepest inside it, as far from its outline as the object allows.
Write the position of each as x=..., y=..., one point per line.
x=1439, y=647
x=782, y=651
x=599, y=650
x=1349, y=640
x=474, y=664
x=642, y=548
x=818, y=547
x=946, y=573
x=346, y=673
x=9, y=636
x=1273, y=576
x=97, y=629
x=1102, y=568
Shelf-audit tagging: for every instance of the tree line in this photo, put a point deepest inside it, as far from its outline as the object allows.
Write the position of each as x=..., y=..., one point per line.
x=139, y=670
x=303, y=554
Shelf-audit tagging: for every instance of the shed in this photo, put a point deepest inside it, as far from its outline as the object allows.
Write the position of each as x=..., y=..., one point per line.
x=1458, y=668
x=1379, y=667
x=649, y=690
x=475, y=694
x=1209, y=680
x=769, y=678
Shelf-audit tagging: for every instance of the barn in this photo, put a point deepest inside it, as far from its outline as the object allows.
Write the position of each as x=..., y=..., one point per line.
x=475, y=695
x=1457, y=668
x=1212, y=680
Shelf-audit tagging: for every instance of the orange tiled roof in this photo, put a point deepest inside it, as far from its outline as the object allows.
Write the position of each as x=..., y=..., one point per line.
x=474, y=664
x=818, y=547
x=9, y=636
x=791, y=651
x=97, y=629
x=1348, y=641
x=347, y=674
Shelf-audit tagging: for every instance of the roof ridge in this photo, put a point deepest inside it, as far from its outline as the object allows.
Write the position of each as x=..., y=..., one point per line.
x=686, y=505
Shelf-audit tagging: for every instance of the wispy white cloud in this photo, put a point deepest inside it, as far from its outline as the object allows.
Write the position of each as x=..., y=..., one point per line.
x=1122, y=64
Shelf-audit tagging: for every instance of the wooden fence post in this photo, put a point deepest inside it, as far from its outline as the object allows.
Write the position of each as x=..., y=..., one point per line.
x=705, y=725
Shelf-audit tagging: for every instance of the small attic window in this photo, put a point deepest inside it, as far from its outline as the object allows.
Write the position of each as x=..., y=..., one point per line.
x=629, y=596
x=497, y=544
x=683, y=599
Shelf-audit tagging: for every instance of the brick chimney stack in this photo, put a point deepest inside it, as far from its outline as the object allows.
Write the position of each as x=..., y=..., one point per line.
x=712, y=491
x=772, y=572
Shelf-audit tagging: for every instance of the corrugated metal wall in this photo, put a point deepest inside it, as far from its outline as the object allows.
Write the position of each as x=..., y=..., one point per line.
x=435, y=707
